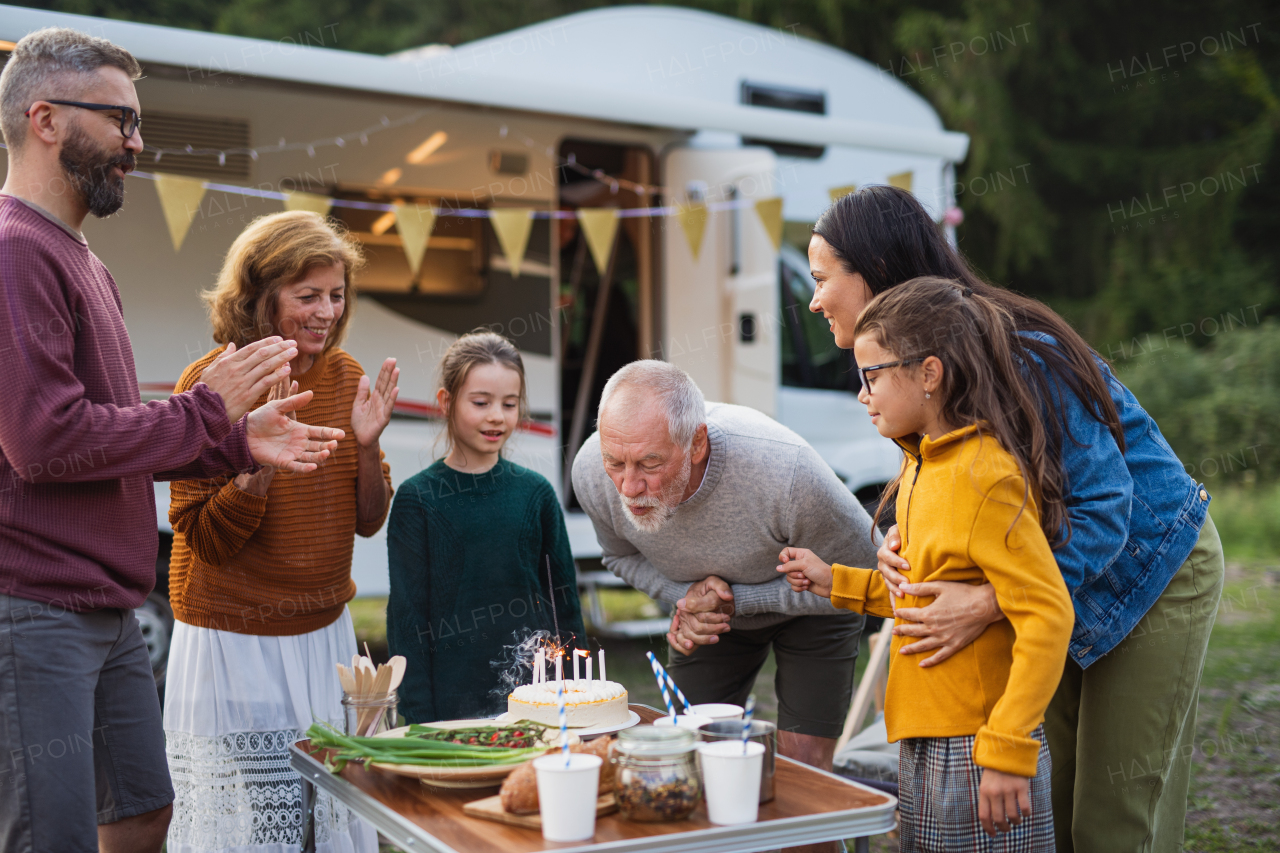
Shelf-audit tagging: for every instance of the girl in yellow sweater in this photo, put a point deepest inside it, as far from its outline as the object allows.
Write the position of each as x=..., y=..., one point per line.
x=978, y=499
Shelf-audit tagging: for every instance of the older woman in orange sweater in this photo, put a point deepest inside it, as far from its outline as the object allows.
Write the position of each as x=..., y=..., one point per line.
x=261, y=569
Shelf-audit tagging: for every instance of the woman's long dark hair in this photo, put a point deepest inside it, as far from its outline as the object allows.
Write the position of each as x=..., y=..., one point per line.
x=977, y=343
x=884, y=234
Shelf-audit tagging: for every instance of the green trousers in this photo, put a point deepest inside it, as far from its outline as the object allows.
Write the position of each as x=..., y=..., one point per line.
x=1122, y=732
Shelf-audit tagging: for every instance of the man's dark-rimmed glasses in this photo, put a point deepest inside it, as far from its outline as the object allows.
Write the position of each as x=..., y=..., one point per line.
x=130, y=121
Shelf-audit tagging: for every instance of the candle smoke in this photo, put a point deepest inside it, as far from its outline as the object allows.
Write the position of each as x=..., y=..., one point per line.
x=514, y=664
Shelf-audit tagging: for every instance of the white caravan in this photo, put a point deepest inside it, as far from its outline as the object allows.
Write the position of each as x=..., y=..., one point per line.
x=628, y=107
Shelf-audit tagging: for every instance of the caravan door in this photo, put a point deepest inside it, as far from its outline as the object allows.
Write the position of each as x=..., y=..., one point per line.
x=720, y=298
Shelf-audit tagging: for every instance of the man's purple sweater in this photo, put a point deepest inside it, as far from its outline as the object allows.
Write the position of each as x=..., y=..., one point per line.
x=78, y=450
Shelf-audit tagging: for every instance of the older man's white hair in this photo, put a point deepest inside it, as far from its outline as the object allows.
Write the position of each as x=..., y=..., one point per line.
x=680, y=395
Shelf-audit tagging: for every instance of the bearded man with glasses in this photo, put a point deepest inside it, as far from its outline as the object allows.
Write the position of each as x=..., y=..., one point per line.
x=82, y=754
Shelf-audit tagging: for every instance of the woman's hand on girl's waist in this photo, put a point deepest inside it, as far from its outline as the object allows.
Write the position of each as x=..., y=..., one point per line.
x=957, y=616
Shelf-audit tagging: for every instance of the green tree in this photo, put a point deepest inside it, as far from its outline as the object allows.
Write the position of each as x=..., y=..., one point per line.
x=1151, y=134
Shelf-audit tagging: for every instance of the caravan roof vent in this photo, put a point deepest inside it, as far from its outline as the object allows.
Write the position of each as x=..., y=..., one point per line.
x=173, y=132
x=784, y=98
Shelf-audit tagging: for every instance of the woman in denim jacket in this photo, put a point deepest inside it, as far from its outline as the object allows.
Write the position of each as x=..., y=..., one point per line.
x=1143, y=562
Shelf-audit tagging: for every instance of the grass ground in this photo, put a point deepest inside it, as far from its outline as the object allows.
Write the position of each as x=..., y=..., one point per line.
x=1247, y=516
x=1235, y=784
x=1235, y=788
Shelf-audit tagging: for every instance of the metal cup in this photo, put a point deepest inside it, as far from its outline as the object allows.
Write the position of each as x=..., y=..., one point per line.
x=762, y=732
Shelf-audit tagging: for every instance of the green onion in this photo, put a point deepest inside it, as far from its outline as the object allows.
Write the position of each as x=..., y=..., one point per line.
x=419, y=748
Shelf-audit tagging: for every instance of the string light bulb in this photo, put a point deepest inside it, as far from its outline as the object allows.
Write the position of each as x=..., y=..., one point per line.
x=429, y=146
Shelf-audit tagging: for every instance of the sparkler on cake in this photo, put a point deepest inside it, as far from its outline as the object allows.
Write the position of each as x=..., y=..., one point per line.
x=588, y=701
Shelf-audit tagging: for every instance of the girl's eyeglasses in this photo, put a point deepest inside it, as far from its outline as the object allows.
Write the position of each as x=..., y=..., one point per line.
x=130, y=121
x=863, y=371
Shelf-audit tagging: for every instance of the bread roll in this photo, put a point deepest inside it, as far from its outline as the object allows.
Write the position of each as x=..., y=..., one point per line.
x=520, y=790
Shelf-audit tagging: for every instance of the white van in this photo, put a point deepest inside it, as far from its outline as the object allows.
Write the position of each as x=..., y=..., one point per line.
x=641, y=108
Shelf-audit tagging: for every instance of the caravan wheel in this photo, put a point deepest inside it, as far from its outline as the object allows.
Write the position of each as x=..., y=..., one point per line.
x=155, y=618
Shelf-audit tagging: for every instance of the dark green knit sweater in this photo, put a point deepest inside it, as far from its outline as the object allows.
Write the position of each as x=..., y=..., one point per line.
x=468, y=561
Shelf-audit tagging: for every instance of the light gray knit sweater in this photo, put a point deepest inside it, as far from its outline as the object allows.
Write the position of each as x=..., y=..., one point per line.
x=765, y=488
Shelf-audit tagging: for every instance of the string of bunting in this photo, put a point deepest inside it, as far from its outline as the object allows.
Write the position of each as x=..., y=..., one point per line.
x=181, y=199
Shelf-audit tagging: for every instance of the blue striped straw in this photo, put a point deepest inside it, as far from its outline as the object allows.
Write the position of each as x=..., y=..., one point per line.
x=660, y=673
x=746, y=721
x=688, y=709
x=564, y=722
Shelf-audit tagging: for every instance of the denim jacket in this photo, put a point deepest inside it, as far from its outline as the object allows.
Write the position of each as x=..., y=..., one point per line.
x=1134, y=517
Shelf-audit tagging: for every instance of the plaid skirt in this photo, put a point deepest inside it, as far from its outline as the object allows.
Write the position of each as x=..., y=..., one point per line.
x=938, y=800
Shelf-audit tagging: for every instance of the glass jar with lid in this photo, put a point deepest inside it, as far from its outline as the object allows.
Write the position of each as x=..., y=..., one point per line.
x=657, y=773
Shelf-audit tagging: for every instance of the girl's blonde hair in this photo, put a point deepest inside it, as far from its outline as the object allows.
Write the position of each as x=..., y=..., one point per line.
x=470, y=350
x=273, y=252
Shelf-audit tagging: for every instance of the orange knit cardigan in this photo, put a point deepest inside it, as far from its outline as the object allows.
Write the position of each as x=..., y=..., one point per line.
x=281, y=564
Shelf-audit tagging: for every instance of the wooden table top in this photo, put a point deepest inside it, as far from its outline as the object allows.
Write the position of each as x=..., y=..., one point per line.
x=801, y=791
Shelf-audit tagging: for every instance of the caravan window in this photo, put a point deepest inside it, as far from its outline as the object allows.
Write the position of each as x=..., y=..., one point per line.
x=464, y=281
x=784, y=98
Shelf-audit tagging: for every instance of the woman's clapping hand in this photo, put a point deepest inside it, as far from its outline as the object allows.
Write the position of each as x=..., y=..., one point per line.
x=374, y=403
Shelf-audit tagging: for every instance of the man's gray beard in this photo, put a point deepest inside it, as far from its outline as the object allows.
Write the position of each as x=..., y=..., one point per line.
x=88, y=173
x=664, y=507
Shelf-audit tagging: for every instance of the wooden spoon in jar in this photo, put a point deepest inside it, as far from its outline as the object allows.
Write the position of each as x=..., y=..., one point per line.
x=348, y=679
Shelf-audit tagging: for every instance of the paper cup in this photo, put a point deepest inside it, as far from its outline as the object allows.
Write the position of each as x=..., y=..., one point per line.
x=762, y=732
x=684, y=721
x=567, y=795
x=731, y=779
x=718, y=711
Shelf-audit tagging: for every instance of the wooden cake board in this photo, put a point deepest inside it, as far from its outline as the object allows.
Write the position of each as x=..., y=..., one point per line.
x=490, y=808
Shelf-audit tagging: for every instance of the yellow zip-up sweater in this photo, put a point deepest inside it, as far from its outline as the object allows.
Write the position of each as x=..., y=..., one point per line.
x=958, y=512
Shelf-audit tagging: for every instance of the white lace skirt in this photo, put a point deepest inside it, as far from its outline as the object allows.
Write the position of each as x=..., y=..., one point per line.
x=233, y=705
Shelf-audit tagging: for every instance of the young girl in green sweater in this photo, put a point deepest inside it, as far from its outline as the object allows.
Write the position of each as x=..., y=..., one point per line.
x=476, y=545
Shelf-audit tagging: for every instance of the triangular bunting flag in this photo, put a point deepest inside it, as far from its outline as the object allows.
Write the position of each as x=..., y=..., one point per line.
x=600, y=227
x=837, y=193
x=180, y=200
x=902, y=181
x=693, y=219
x=414, y=222
x=512, y=227
x=770, y=212
x=307, y=201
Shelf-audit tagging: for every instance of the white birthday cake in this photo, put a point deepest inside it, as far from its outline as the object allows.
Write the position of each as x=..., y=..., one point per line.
x=586, y=703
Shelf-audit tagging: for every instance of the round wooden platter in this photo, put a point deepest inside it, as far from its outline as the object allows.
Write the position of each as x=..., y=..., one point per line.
x=457, y=777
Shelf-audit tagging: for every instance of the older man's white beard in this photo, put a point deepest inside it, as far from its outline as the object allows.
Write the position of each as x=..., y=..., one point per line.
x=663, y=507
